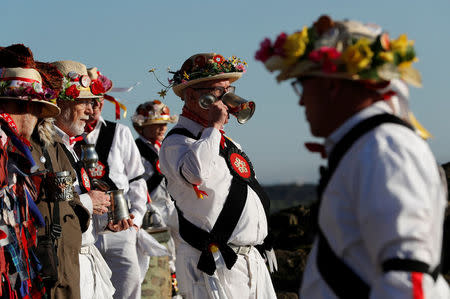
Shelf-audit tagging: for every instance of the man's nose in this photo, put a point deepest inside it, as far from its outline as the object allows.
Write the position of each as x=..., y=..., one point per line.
x=89, y=110
x=301, y=102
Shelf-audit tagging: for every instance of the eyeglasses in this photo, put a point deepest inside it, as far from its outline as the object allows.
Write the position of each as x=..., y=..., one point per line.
x=298, y=88
x=86, y=102
x=217, y=91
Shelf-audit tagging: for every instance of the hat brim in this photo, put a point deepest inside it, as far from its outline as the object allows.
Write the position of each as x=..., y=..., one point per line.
x=172, y=120
x=85, y=94
x=48, y=109
x=178, y=89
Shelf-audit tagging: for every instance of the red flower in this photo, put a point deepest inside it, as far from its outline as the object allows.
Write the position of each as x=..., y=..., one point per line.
x=325, y=56
x=218, y=59
x=265, y=51
x=72, y=92
x=97, y=87
x=278, y=48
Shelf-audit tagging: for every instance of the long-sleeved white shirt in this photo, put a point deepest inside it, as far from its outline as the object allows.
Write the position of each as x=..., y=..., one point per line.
x=124, y=161
x=200, y=164
x=385, y=200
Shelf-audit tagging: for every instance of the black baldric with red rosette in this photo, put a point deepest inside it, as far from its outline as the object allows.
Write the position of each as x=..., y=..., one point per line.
x=243, y=176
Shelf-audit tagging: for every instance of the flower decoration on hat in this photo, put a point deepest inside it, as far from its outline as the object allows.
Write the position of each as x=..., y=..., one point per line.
x=26, y=89
x=100, y=86
x=73, y=84
x=341, y=49
x=203, y=67
x=152, y=112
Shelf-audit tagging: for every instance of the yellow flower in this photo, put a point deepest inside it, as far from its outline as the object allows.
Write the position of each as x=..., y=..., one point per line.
x=401, y=44
x=386, y=56
x=152, y=70
x=186, y=76
x=295, y=46
x=357, y=56
x=162, y=93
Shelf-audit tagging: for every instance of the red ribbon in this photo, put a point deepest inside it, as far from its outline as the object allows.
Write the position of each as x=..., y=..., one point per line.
x=316, y=148
x=72, y=140
x=19, y=79
x=12, y=125
x=112, y=99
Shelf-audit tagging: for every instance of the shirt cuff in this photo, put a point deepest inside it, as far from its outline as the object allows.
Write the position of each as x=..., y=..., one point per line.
x=138, y=218
x=87, y=202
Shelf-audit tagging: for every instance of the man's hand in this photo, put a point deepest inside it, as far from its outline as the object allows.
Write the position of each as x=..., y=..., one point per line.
x=100, y=201
x=123, y=224
x=218, y=115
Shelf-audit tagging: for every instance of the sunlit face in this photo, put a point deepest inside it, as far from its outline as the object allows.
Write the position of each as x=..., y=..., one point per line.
x=74, y=116
x=193, y=94
x=154, y=132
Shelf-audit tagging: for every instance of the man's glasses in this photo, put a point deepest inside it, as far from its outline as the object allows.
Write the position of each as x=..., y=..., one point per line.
x=297, y=86
x=86, y=102
x=217, y=91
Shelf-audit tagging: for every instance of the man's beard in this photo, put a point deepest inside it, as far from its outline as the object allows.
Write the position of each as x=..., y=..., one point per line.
x=75, y=127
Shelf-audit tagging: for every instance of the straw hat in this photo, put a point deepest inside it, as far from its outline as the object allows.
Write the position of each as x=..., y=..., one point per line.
x=76, y=81
x=341, y=49
x=100, y=83
x=20, y=80
x=206, y=67
x=153, y=112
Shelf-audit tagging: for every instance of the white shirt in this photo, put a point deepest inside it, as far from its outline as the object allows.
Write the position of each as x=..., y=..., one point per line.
x=124, y=161
x=200, y=163
x=384, y=200
x=160, y=194
x=89, y=236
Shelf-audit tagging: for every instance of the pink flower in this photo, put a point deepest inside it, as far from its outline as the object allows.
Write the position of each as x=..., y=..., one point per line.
x=326, y=56
x=241, y=67
x=265, y=51
x=278, y=46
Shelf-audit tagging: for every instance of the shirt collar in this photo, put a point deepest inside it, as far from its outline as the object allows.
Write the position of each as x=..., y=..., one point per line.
x=374, y=109
x=192, y=126
x=149, y=143
x=64, y=137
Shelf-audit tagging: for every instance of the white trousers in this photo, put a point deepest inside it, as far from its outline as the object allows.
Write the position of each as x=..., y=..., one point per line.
x=249, y=277
x=95, y=275
x=119, y=251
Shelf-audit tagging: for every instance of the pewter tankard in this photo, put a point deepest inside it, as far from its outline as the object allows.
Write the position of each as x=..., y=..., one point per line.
x=89, y=156
x=239, y=107
x=60, y=185
x=119, y=206
x=242, y=109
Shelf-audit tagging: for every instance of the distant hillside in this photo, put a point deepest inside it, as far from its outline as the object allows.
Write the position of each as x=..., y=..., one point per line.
x=286, y=196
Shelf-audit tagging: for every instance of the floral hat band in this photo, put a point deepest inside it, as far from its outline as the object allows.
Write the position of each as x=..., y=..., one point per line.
x=153, y=112
x=341, y=49
x=76, y=83
x=26, y=84
x=205, y=67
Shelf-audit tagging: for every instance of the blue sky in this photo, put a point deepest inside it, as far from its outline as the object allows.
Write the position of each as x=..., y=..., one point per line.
x=124, y=39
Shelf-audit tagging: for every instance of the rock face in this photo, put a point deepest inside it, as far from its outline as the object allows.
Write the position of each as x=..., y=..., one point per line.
x=293, y=233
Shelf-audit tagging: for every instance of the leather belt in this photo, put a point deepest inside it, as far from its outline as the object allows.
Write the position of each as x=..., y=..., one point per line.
x=243, y=250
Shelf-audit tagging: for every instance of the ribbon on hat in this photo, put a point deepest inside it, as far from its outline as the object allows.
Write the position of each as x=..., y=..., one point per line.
x=124, y=89
x=118, y=106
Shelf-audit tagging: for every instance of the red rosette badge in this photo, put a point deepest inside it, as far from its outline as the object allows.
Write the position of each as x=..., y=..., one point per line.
x=240, y=165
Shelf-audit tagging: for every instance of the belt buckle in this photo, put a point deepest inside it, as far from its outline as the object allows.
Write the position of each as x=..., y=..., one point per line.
x=84, y=250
